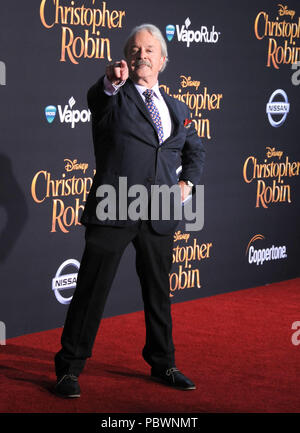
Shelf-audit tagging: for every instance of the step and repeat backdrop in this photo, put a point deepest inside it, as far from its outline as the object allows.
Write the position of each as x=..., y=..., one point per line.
x=237, y=67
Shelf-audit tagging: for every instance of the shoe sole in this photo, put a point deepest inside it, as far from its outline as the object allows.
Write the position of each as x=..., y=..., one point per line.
x=58, y=394
x=157, y=379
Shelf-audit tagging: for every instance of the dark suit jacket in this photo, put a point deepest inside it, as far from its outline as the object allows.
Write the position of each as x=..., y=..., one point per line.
x=126, y=144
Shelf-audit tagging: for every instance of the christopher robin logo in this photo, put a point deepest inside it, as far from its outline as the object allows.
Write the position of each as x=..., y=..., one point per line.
x=200, y=101
x=282, y=33
x=80, y=28
x=67, y=193
x=272, y=177
x=187, y=254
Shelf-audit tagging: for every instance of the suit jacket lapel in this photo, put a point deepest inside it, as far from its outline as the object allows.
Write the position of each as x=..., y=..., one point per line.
x=134, y=95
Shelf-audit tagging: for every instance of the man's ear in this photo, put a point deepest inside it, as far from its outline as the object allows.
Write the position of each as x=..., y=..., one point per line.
x=162, y=61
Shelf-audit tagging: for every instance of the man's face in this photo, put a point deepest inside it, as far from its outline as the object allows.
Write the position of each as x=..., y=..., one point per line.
x=144, y=58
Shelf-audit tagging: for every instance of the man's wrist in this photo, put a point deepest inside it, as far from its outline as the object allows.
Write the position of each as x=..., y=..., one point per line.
x=111, y=88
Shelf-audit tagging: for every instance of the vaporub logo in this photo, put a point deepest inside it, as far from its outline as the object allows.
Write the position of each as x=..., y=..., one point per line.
x=170, y=32
x=50, y=113
x=186, y=35
x=65, y=281
x=277, y=109
x=66, y=114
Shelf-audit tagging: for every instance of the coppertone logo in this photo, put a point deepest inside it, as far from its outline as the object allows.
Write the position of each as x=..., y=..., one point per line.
x=65, y=281
x=186, y=35
x=277, y=108
x=66, y=114
x=260, y=255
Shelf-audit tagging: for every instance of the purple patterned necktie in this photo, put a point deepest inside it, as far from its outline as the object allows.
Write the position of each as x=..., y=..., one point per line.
x=154, y=113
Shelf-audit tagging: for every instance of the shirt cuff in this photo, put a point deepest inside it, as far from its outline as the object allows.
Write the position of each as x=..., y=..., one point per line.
x=111, y=89
x=188, y=182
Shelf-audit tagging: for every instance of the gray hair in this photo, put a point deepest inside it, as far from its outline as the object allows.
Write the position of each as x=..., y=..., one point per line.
x=156, y=33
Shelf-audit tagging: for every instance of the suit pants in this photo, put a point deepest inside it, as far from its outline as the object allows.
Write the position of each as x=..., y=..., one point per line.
x=103, y=251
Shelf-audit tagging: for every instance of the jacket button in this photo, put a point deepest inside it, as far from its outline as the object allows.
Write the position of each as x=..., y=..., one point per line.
x=159, y=149
x=150, y=179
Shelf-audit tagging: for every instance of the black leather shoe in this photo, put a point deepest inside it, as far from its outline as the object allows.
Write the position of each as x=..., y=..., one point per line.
x=173, y=377
x=67, y=386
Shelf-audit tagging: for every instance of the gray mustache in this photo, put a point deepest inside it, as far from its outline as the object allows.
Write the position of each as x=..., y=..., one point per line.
x=142, y=62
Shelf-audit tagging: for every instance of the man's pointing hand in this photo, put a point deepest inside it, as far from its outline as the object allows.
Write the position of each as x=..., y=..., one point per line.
x=117, y=72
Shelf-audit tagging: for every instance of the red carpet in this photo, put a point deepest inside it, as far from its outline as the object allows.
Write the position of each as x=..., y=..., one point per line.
x=236, y=347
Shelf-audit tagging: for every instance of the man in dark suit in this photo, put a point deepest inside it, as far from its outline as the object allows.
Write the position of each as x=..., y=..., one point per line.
x=139, y=134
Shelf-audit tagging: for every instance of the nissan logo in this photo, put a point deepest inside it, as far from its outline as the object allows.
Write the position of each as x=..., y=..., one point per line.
x=277, y=109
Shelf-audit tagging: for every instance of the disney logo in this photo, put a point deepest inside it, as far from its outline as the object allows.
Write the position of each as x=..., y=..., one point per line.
x=73, y=165
x=188, y=82
x=272, y=152
x=178, y=236
x=283, y=10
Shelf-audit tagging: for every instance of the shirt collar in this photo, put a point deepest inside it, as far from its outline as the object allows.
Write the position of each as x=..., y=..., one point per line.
x=155, y=89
